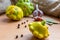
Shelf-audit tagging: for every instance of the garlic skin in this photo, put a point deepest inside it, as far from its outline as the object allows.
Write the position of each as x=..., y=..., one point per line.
x=49, y=7
x=38, y=12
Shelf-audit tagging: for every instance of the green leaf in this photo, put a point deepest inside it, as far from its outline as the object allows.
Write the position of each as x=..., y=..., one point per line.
x=43, y=23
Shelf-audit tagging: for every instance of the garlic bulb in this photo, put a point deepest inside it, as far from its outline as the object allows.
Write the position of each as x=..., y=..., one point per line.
x=49, y=7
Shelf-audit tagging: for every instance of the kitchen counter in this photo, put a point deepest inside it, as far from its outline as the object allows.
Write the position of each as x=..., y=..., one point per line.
x=9, y=30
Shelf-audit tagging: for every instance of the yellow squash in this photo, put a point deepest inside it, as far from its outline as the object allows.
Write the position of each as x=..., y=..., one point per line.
x=39, y=29
x=14, y=12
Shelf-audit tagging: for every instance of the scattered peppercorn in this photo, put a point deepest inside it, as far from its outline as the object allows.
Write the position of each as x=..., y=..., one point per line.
x=21, y=35
x=22, y=23
x=18, y=26
x=16, y=37
x=25, y=26
x=26, y=20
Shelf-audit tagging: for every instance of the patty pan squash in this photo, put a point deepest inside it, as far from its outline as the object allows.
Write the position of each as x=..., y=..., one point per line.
x=39, y=29
x=14, y=12
x=26, y=6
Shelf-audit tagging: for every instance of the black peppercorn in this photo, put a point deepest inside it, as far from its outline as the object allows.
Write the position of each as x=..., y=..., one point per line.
x=18, y=26
x=22, y=23
x=16, y=37
x=26, y=20
x=25, y=26
x=21, y=35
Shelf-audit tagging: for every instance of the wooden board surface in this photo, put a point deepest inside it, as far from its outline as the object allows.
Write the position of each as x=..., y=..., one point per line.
x=8, y=30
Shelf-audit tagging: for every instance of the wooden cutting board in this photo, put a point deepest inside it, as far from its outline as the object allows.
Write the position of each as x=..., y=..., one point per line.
x=9, y=30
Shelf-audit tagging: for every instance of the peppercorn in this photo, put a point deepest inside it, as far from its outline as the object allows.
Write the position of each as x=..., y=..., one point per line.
x=16, y=37
x=21, y=35
x=18, y=26
x=26, y=20
x=25, y=26
x=22, y=23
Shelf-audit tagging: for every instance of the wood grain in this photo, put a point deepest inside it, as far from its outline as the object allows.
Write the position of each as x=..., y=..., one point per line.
x=8, y=29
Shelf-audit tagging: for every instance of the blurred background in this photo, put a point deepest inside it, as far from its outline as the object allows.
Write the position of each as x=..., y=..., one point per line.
x=49, y=7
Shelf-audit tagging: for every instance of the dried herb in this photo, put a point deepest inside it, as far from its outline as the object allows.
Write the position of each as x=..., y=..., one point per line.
x=51, y=23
